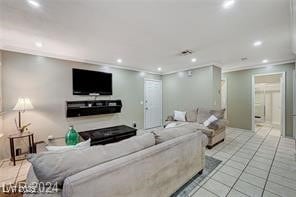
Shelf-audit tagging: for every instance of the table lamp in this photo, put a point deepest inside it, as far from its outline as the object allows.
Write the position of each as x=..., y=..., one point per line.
x=22, y=105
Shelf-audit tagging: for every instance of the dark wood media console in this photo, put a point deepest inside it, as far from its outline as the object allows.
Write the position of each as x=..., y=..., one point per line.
x=108, y=135
x=92, y=107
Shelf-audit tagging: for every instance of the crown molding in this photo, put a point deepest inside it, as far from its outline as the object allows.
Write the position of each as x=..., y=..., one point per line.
x=274, y=63
x=193, y=67
x=78, y=60
x=68, y=58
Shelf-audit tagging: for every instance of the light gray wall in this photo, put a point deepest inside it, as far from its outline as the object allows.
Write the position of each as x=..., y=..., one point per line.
x=48, y=83
x=239, y=95
x=181, y=92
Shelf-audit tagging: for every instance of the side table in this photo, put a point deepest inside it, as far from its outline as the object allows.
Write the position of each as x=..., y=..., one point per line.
x=30, y=138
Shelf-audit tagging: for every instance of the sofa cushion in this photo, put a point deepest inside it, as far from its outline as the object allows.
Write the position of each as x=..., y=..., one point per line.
x=203, y=115
x=191, y=116
x=163, y=135
x=55, y=166
x=218, y=113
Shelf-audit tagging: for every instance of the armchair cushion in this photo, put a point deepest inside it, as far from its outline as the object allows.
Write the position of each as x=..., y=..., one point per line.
x=191, y=116
x=218, y=113
x=203, y=115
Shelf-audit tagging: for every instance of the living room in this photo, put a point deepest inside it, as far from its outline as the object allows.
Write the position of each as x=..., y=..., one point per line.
x=96, y=94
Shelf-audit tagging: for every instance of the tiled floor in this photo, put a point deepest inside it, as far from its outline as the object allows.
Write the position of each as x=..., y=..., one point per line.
x=10, y=174
x=254, y=164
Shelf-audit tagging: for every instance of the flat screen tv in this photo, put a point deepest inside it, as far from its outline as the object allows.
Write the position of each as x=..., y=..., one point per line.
x=86, y=82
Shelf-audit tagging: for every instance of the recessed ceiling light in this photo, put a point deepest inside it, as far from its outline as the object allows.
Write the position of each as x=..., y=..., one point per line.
x=228, y=4
x=38, y=44
x=257, y=43
x=193, y=59
x=119, y=61
x=33, y=3
x=159, y=68
x=265, y=61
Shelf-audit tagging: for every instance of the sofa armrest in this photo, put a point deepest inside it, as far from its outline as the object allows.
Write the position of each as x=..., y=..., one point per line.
x=219, y=124
x=40, y=147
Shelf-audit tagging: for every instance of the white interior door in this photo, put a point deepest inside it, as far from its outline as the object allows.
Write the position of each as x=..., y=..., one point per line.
x=153, y=103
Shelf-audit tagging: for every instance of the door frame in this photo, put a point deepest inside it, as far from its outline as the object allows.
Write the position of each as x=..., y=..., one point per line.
x=226, y=95
x=283, y=100
x=294, y=103
x=144, y=106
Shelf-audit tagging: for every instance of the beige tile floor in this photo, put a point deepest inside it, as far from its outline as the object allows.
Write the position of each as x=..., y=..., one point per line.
x=253, y=164
x=10, y=174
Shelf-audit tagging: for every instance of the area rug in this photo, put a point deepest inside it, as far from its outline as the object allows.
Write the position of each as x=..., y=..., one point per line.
x=210, y=164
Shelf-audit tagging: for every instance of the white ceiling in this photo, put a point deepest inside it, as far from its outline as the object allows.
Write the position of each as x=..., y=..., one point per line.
x=147, y=34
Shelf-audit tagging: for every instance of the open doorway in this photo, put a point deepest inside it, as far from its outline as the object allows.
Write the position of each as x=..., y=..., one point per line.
x=268, y=100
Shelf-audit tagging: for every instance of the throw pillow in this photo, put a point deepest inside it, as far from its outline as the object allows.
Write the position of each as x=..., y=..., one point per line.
x=211, y=119
x=180, y=116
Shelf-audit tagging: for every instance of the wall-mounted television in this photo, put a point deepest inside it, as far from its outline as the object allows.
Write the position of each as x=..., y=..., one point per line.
x=86, y=82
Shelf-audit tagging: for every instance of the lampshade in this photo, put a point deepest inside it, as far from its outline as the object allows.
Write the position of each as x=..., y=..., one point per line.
x=23, y=104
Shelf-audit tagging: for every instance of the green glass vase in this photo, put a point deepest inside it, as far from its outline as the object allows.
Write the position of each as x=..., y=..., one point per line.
x=72, y=137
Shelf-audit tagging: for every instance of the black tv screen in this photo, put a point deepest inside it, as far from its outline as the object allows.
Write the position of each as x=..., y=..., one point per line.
x=86, y=82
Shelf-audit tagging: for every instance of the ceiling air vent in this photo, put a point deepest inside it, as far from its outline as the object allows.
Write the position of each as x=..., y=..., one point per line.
x=186, y=52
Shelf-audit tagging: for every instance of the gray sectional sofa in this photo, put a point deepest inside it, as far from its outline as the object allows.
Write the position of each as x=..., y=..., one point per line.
x=153, y=164
x=215, y=131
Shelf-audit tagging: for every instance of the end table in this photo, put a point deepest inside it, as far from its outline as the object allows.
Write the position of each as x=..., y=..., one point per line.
x=30, y=138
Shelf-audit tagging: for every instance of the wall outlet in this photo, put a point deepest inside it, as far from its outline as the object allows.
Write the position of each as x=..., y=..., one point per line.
x=50, y=137
x=134, y=124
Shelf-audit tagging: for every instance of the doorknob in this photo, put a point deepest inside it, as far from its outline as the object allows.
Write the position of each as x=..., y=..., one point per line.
x=146, y=108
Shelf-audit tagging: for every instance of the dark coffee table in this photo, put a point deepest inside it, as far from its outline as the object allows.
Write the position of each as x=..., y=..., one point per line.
x=108, y=135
